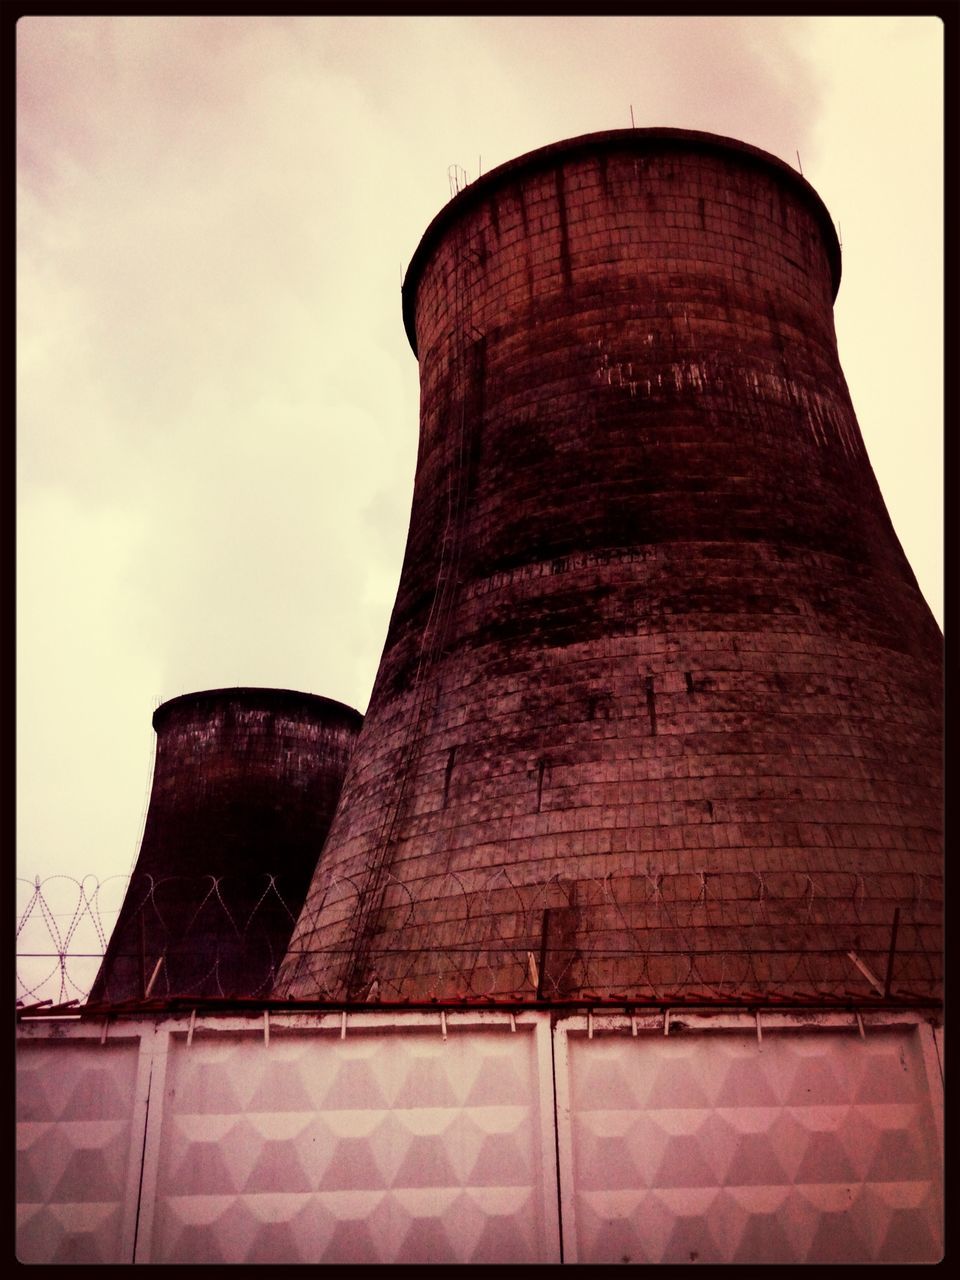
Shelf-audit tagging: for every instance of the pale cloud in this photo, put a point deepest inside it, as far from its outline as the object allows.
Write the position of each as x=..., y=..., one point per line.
x=85, y=685
x=878, y=163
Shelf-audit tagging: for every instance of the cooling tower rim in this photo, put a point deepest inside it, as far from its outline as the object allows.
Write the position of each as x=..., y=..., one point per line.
x=312, y=706
x=644, y=140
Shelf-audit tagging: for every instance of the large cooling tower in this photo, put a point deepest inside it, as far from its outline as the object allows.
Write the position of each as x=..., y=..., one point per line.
x=659, y=709
x=245, y=784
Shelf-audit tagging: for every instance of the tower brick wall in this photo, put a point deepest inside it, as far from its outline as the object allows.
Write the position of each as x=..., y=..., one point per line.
x=659, y=707
x=245, y=784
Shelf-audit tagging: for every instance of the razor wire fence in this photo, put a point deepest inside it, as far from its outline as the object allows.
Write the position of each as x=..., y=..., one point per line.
x=647, y=937
x=203, y=935
x=62, y=929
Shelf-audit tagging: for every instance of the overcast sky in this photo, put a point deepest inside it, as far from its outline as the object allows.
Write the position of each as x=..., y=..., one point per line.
x=217, y=404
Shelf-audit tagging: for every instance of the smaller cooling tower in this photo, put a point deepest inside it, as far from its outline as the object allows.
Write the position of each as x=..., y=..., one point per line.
x=245, y=786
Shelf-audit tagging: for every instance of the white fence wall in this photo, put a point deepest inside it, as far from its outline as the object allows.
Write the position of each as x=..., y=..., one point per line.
x=795, y=1145
x=409, y=1137
x=81, y=1108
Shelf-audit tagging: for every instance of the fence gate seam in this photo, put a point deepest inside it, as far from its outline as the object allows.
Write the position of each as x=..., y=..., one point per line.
x=153, y=1127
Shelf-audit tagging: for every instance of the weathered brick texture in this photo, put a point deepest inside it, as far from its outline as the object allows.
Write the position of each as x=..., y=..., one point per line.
x=245, y=785
x=658, y=665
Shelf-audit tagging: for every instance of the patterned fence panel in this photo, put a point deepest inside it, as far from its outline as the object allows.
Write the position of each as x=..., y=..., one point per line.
x=410, y=1139
x=79, y=1147
x=431, y=1136
x=795, y=1146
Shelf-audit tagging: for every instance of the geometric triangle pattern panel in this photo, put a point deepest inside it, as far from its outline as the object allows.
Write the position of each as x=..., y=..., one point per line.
x=374, y=1148
x=802, y=1147
x=74, y=1111
x=395, y=1144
